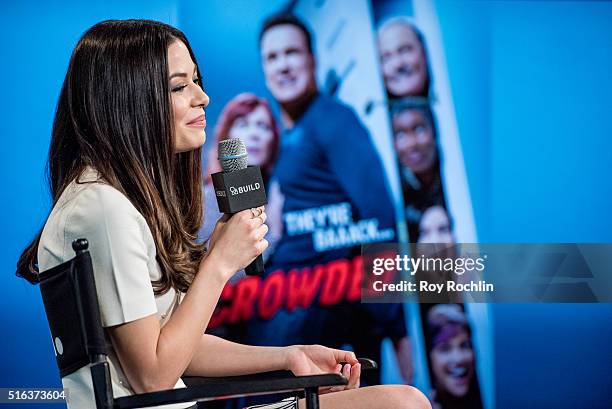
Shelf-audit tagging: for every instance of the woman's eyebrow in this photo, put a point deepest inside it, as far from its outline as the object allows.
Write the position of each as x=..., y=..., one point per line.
x=182, y=74
x=178, y=74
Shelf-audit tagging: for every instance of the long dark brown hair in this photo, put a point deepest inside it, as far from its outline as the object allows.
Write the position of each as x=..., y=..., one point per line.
x=115, y=114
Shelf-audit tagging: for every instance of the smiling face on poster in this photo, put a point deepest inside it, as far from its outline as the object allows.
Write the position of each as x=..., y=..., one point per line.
x=255, y=129
x=414, y=141
x=288, y=64
x=402, y=59
x=451, y=357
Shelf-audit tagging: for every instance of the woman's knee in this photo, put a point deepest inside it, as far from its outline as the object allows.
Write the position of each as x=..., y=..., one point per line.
x=404, y=397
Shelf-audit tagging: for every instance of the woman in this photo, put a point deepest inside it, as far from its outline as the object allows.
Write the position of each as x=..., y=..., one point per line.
x=415, y=142
x=248, y=118
x=435, y=226
x=125, y=173
x=451, y=357
x=435, y=233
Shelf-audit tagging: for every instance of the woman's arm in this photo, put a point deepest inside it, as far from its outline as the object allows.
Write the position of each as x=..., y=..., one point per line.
x=154, y=357
x=218, y=357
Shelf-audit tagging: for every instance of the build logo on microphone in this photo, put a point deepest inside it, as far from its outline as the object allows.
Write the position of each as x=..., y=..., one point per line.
x=244, y=189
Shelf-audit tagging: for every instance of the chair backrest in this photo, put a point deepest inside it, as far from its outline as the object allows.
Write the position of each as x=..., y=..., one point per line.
x=71, y=304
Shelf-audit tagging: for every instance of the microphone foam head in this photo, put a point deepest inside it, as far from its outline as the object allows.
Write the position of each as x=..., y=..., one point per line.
x=233, y=155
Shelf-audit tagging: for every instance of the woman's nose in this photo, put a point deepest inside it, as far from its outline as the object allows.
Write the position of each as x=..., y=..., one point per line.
x=201, y=99
x=254, y=134
x=410, y=141
x=457, y=356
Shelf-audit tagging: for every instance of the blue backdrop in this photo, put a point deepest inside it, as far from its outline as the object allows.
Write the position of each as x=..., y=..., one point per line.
x=531, y=85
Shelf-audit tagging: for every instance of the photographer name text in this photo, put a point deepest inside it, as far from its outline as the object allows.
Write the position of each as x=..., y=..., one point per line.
x=425, y=286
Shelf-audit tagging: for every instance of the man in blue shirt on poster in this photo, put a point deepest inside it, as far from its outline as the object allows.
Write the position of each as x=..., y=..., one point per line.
x=328, y=170
x=335, y=198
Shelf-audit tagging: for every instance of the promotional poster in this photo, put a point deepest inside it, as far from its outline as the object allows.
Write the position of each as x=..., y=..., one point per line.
x=365, y=162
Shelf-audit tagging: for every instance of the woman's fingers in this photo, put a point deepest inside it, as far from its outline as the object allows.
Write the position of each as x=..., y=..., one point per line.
x=258, y=220
x=345, y=356
x=352, y=373
x=346, y=371
x=261, y=231
x=355, y=375
x=239, y=239
x=261, y=246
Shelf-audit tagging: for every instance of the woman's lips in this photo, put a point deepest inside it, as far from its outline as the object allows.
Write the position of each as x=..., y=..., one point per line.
x=460, y=375
x=253, y=151
x=199, y=122
x=416, y=157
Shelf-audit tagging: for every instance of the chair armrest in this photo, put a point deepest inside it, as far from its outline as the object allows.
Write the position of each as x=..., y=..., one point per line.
x=206, y=380
x=230, y=387
x=366, y=364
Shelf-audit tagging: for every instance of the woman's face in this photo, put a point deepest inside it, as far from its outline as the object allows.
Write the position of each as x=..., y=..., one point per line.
x=435, y=226
x=452, y=363
x=188, y=99
x=255, y=130
x=414, y=141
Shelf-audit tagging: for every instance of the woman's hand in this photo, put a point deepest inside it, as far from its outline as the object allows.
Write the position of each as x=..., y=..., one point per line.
x=316, y=359
x=237, y=240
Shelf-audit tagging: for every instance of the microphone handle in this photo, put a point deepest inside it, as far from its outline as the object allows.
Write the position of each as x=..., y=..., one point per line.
x=256, y=268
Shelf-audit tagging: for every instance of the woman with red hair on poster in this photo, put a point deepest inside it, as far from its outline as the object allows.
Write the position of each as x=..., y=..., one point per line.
x=249, y=118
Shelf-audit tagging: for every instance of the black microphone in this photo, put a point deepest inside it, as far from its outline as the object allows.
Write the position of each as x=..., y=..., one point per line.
x=239, y=187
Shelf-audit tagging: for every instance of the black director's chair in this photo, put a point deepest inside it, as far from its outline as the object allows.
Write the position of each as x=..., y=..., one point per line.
x=71, y=304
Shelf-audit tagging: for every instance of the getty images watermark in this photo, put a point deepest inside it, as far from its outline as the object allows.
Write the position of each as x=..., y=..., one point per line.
x=514, y=273
x=432, y=264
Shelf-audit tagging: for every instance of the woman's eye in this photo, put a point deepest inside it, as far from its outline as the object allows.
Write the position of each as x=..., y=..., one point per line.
x=240, y=123
x=444, y=347
x=400, y=136
x=179, y=88
x=263, y=126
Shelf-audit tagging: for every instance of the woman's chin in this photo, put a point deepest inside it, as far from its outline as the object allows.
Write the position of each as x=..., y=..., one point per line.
x=198, y=138
x=459, y=389
x=190, y=143
x=255, y=160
